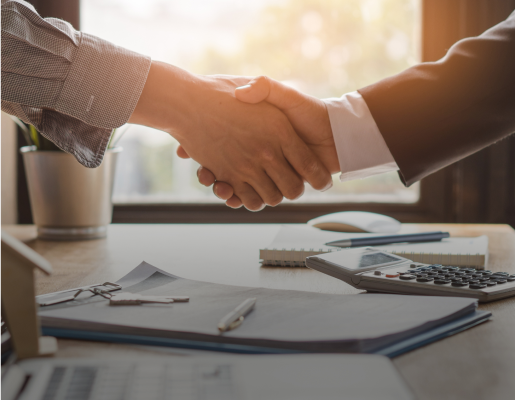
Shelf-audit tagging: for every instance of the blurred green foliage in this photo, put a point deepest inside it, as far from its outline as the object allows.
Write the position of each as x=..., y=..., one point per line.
x=324, y=47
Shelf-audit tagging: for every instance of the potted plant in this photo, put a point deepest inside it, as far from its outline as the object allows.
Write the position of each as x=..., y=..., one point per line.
x=68, y=200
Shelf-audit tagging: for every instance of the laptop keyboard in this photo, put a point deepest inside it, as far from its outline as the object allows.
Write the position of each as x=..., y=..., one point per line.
x=137, y=382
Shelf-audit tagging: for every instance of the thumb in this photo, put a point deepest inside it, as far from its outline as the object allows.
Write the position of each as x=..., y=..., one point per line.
x=263, y=88
x=182, y=153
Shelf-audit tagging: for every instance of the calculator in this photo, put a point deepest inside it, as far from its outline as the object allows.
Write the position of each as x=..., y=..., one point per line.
x=374, y=270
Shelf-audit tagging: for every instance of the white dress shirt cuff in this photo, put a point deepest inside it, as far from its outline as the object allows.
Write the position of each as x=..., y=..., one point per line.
x=362, y=151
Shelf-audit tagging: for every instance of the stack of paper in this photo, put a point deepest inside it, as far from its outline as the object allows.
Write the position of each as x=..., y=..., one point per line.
x=282, y=319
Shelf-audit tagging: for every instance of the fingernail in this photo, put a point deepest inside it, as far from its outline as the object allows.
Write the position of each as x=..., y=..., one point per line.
x=243, y=87
x=328, y=186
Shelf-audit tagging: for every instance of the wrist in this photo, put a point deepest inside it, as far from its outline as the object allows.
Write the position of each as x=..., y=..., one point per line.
x=165, y=102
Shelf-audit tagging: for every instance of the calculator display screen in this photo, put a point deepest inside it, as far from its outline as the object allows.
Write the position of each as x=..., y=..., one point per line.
x=368, y=260
x=360, y=258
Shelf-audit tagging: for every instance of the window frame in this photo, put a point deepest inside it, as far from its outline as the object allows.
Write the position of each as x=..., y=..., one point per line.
x=480, y=188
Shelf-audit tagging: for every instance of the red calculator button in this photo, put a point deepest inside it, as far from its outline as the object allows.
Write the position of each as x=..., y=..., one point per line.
x=392, y=275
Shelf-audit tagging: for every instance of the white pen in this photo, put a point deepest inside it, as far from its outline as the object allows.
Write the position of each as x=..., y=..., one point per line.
x=236, y=317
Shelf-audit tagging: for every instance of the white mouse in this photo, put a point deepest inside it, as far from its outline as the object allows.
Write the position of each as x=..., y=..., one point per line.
x=356, y=221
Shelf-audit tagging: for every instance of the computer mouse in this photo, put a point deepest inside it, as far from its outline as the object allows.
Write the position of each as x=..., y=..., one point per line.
x=356, y=221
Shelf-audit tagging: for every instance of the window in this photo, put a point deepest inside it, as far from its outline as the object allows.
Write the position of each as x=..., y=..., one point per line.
x=323, y=47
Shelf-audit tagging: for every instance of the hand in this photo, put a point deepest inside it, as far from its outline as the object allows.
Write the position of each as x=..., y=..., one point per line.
x=307, y=115
x=253, y=148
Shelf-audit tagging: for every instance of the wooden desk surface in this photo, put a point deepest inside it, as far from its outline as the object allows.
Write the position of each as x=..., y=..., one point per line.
x=476, y=364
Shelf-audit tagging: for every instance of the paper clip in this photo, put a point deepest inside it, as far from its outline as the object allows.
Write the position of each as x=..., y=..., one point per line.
x=95, y=289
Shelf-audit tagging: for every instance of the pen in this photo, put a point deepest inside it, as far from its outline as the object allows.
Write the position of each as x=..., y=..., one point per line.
x=236, y=317
x=378, y=240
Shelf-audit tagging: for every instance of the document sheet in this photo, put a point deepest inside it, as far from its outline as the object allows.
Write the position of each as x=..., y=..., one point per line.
x=281, y=318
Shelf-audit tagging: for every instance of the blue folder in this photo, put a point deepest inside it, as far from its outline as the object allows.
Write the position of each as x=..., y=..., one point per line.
x=393, y=350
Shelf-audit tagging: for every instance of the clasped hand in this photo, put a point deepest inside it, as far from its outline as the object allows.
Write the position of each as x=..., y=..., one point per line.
x=257, y=140
x=308, y=121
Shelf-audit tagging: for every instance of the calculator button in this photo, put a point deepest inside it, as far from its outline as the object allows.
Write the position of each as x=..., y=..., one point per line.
x=491, y=283
x=456, y=279
x=459, y=284
x=392, y=275
x=460, y=273
x=501, y=273
x=477, y=286
x=442, y=281
x=476, y=275
x=510, y=278
x=407, y=277
x=377, y=272
x=472, y=281
x=424, y=279
x=500, y=281
x=433, y=274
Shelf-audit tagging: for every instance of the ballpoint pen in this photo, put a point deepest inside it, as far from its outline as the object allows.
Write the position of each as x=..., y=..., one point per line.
x=236, y=317
x=379, y=240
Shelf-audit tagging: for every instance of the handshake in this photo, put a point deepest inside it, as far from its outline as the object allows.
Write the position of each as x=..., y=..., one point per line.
x=256, y=139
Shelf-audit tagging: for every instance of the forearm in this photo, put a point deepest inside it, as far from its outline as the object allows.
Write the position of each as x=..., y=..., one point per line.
x=73, y=87
x=436, y=113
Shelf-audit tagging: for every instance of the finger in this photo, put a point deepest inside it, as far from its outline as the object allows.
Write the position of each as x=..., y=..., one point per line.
x=263, y=88
x=182, y=153
x=205, y=177
x=253, y=92
x=266, y=189
x=307, y=165
x=234, y=202
x=287, y=180
x=248, y=196
x=223, y=190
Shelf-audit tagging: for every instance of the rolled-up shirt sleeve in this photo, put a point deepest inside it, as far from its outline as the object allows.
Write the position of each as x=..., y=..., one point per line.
x=73, y=87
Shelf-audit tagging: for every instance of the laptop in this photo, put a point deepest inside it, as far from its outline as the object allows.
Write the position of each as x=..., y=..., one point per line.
x=298, y=377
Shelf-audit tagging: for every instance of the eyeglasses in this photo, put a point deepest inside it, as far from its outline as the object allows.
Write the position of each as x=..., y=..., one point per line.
x=103, y=290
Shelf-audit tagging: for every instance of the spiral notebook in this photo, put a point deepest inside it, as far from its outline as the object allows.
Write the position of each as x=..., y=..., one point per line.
x=292, y=245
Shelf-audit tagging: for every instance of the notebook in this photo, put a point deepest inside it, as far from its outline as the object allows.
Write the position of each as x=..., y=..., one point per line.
x=282, y=321
x=292, y=245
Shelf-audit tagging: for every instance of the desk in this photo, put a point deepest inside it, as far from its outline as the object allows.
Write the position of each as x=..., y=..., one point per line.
x=476, y=364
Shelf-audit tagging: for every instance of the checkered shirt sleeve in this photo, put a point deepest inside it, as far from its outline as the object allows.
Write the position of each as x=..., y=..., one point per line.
x=73, y=87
